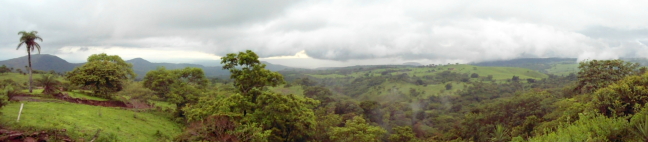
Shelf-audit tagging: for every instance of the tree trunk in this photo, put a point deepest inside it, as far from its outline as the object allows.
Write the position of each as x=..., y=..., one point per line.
x=30, y=70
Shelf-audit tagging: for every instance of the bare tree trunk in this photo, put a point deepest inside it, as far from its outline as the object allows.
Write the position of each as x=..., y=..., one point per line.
x=30, y=70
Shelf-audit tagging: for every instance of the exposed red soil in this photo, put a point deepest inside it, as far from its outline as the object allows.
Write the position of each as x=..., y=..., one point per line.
x=21, y=136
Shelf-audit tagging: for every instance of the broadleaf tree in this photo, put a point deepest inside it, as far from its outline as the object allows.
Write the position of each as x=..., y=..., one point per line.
x=286, y=117
x=180, y=86
x=104, y=74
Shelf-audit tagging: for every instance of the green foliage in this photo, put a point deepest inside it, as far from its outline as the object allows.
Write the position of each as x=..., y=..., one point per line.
x=135, y=92
x=322, y=94
x=402, y=134
x=448, y=86
x=306, y=82
x=639, y=124
x=356, y=130
x=286, y=117
x=362, y=84
x=597, y=74
x=49, y=82
x=289, y=117
x=4, y=69
x=160, y=81
x=104, y=74
x=519, y=113
x=29, y=40
x=4, y=95
x=474, y=75
x=325, y=123
x=180, y=87
x=223, y=128
x=252, y=73
x=500, y=134
x=622, y=98
x=515, y=78
x=590, y=127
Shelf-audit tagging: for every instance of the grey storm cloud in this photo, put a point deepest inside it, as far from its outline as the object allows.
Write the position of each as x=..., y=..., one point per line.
x=341, y=30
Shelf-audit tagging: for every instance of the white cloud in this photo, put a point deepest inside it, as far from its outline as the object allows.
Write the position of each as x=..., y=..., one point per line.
x=335, y=32
x=172, y=55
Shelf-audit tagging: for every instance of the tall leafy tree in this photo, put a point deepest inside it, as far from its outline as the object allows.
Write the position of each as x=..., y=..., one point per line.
x=356, y=130
x=29, y=40
x=249, y=75
x=622, y=98
x=180, y=86
x=597, y=74
x=105, y=74
x=402, y=134
x=286, y=117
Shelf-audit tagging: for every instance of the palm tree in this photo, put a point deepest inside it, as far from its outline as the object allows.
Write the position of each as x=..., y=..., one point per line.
x=29, y=39
x=49, y=83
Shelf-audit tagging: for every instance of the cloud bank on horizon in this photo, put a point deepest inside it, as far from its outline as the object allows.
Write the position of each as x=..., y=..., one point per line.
x=331, y=32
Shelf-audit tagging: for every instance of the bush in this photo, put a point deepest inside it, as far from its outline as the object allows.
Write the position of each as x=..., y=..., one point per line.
x=592, y=127
x=448, y=86
x=474, y=75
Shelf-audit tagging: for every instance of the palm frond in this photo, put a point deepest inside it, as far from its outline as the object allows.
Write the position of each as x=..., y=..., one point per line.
x=37, y=47
x=20, y=44
x=39, y=38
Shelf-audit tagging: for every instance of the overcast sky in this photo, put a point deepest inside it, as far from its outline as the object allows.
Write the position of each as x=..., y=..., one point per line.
x=321, y=33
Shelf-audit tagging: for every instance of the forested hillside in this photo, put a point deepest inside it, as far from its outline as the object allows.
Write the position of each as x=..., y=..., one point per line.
x=603, y=101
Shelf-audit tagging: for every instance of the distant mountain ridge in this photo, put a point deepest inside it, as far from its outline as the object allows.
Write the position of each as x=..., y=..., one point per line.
x=43, y=62
x=141, y=66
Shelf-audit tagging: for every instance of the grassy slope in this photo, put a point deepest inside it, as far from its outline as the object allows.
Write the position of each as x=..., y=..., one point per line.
x=295, y=89
x=499, y=73
x=17, y=77
x=82, y=121
x=563, y=69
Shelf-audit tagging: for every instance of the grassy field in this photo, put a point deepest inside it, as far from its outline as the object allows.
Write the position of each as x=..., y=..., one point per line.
x=498, y=73
x=563, y=69
x=295, y=89
x=82, y=121
x=22, y=79
x=391, y=91
x=36, y=92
